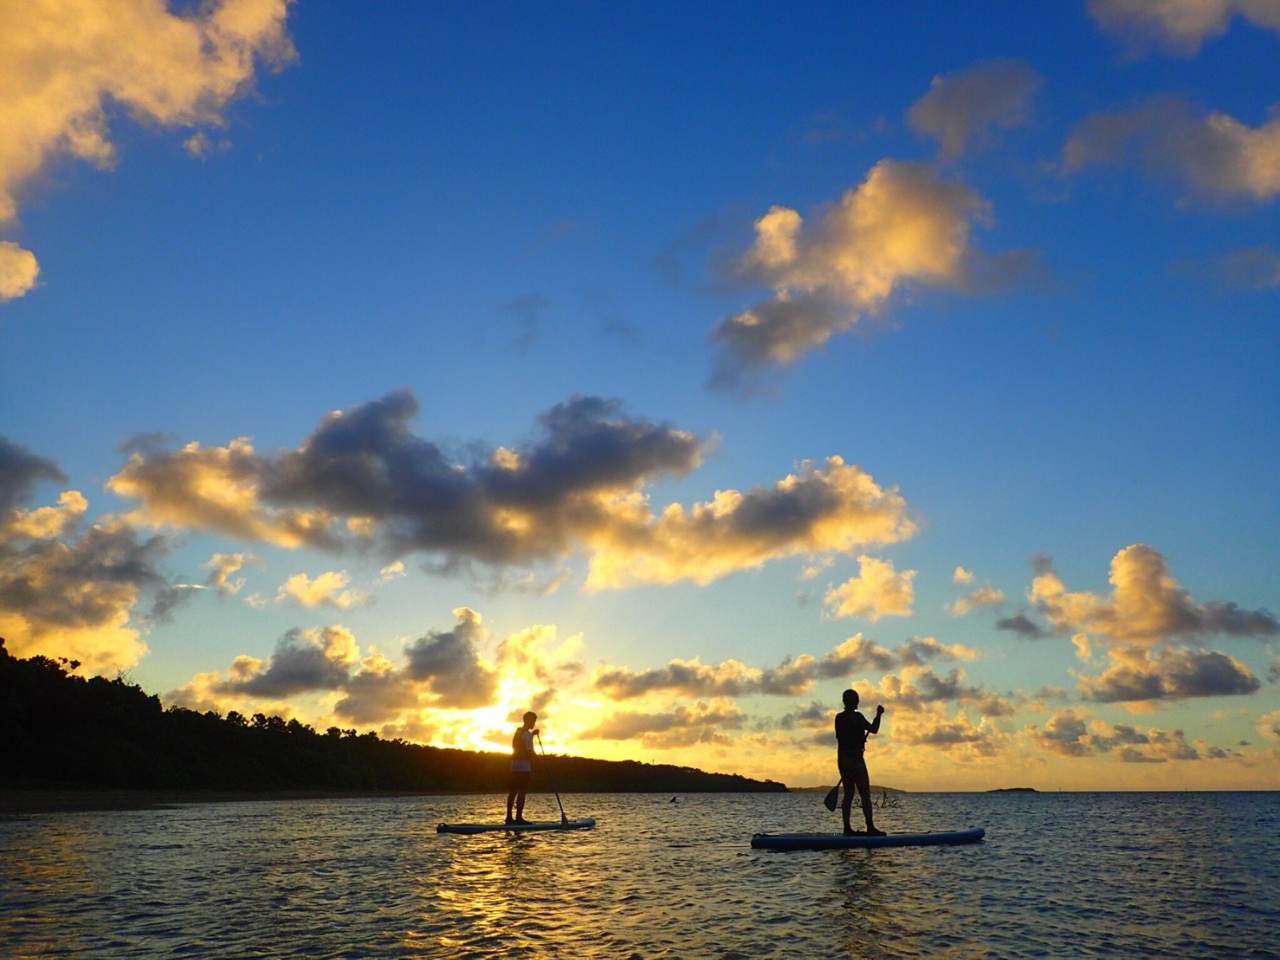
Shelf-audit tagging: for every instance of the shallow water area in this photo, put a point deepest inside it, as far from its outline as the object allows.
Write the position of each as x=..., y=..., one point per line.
x=1059, y=875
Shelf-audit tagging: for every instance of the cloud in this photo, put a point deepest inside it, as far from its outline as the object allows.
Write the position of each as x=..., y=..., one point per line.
x=917, y=688
x=363, y=479
x=525, y=313
x=1022, y=625
x=1178, y=27
x=69, y=595
x=1143, y=675
x=20, y=472
x=450, y=663
x=304, y=660
x=878, y=591
x=69, y=64
x=223, y=567
x=1249, y=268
x=703, y=722
x=963, y=109
x=919, y=650
x=326, y=590
x=1070, y=733
x=816, y=716
x=794, y=675
x=984, y=598
x=18, y=271
x=443, y=669
x=392, y=571
x=1216, y=156
x=903, y=225
x=1147, y=605
x=1269, y=726
x=961, y=575
x=820, y=509
x=949, y=733
x=1064, y=733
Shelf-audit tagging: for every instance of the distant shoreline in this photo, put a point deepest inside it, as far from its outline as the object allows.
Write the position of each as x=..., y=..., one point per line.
x=74, y=801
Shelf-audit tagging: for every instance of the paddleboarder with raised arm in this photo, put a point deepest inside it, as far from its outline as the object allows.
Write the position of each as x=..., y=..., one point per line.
x=852, y=730
x=522, y=766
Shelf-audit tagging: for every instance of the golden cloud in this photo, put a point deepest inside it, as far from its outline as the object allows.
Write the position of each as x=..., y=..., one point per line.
x=18, y=270
x=66, y=61
x=877, y=591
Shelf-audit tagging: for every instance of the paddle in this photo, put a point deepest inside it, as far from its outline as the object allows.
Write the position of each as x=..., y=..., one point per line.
x=832, y=799
x=563, y=818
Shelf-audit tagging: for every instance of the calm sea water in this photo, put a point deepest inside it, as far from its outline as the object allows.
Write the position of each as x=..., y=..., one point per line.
x=1074, y=875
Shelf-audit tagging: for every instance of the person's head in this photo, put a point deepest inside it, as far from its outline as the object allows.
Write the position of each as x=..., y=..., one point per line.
x=530, y=719
x=851, y=699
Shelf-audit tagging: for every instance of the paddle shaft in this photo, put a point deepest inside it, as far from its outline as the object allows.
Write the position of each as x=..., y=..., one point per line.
x=563, y=818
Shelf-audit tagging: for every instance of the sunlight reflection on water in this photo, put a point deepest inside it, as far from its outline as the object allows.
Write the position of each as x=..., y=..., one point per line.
x=1179, y=875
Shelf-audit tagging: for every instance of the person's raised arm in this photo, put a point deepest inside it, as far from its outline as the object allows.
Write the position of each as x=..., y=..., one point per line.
x=874, y=726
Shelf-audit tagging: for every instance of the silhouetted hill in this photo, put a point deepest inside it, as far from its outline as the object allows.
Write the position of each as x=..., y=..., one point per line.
x=62, y=731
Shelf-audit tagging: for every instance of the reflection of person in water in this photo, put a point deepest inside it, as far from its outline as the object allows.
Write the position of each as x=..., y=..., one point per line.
x=852, y=730
x=521, y=766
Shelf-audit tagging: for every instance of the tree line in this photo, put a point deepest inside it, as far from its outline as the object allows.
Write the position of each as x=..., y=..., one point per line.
x=63, y=731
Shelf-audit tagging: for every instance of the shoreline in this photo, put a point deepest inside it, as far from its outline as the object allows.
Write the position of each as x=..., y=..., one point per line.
x=71, y=800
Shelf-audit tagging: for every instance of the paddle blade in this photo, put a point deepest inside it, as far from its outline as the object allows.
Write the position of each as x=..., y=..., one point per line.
x=832, y=799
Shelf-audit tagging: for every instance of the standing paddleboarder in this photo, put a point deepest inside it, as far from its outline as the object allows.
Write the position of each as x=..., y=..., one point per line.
x=522, y=766
x=852, y=730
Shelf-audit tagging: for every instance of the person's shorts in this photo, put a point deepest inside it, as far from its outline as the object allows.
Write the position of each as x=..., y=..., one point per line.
x=851, y=766
x=520, y=780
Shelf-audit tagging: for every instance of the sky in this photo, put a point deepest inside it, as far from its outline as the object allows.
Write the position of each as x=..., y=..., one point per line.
x=667, y=370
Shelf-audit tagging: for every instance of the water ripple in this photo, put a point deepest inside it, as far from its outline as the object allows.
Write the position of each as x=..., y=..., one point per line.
x=1150, y=875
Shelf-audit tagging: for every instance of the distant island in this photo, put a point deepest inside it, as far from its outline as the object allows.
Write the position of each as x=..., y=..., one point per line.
x=1014, y=790
x=66, y=733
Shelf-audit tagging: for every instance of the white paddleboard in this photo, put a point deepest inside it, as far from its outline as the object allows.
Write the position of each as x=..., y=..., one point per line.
x=584, y=824
x=836, y=841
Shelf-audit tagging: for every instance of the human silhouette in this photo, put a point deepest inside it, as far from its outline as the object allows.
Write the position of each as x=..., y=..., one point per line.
x=521, y=766
x=852, y=730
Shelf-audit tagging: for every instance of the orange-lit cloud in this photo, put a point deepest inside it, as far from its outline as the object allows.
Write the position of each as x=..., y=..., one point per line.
x=1179, y=27
x=364, y=477
x=18, y=270
x=67, y=62
x=328, y=589
x=877, y=591
x=983, y=598
x=1214, y=154
x=67, y=593
x=902, y=225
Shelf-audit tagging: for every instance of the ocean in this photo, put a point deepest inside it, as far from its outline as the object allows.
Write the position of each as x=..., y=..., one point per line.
x=1059, y=875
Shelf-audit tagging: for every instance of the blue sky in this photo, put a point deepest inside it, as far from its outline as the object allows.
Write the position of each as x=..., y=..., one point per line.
x=500, y=207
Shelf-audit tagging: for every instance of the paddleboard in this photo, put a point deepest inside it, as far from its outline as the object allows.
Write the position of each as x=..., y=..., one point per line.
x=829, y=841
x=585, y=824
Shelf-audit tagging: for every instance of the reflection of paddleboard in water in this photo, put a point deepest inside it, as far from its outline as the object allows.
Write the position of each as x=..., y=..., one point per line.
x=828, y=841
x=584, y=824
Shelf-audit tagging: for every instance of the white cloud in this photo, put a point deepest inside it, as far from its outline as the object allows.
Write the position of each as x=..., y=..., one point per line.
x=961, y=575
x=392, y=570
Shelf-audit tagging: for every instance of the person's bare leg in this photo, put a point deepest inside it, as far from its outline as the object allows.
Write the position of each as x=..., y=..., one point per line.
x=511, y=798
x=846, y=806
x=863, y=780
x=520, y=807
